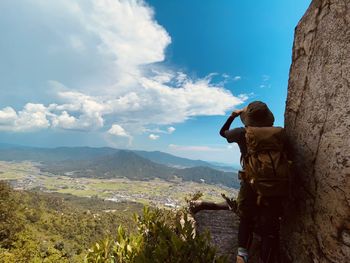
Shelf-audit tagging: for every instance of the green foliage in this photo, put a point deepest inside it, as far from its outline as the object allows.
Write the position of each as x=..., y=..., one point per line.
x=47, y=227
x=43, y=227
x=162, y=236
x=10, y=222
x=193, y=197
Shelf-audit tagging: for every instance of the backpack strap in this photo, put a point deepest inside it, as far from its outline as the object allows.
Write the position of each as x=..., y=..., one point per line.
x=272, y=163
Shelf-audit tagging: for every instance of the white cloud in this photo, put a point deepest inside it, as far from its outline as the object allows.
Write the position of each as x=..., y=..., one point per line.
x=171, y=129
x=32, y=117
x=7, y=116
x=118, y=130
x=168, y=105
x=153, y=102
x=105, y=71
x=64, y=121
x=236, y=78
x=128, y=30
x=153, y=136
x=180, y=78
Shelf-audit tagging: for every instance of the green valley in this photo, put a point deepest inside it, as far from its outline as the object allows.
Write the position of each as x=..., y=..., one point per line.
x=154, y=192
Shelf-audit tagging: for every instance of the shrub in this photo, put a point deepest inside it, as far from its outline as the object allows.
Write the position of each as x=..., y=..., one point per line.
x=10, y=222
x=162, y=236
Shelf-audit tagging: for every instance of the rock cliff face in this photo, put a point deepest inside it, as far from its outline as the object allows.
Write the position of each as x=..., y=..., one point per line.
x=317, y=120
x=223, y=228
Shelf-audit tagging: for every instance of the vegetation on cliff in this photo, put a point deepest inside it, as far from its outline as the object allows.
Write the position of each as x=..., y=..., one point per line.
x=42, y=227
x=162, y=236
x=52, y=227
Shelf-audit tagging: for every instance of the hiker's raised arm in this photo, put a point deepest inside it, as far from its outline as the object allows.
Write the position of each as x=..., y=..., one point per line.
x=229, y=121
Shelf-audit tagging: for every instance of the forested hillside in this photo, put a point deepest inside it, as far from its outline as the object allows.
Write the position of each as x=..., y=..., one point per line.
x=130, y=165
x=59, y=228
x=52, y=227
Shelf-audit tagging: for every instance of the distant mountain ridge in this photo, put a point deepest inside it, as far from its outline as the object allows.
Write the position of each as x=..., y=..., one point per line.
x=111, y=163
x=170, y=160
x=180, y=162
x=21, y=153
x=10, y=152
x=130, y=165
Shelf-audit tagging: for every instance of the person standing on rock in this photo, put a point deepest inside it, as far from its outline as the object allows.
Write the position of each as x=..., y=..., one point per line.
x=264, y=178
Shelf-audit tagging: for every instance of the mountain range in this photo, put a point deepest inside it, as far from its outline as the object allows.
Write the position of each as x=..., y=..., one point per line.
x=108, y=162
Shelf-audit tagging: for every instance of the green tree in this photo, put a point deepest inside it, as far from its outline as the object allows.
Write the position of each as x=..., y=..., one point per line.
x=10, y=221
x=162, y=237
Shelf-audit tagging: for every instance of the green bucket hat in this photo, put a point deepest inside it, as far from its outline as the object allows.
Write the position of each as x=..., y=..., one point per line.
x=257, y=114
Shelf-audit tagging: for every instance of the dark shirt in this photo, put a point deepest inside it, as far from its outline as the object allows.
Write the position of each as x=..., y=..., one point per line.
x=237, y=135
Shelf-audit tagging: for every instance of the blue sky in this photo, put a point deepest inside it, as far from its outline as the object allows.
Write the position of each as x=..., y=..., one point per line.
x=154, y=75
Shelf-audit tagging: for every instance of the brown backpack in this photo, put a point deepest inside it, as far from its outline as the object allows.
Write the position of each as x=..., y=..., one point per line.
x=266, y=165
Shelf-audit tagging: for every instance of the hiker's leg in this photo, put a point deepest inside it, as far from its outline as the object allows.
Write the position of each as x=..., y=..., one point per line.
x=247, y=210
x=245, y=232
x=270, y=229
x=270, y=241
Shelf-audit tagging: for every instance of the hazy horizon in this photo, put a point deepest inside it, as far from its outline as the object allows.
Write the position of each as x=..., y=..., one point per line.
x=234, y=165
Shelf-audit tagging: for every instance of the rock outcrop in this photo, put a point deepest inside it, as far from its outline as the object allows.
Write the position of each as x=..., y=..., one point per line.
x=317, y=120
x=223, y=228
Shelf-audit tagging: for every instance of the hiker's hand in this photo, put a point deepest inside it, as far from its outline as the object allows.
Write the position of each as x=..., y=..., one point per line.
x=236, y=112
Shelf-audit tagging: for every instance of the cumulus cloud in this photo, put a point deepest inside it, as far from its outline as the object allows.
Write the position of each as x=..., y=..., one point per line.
x=32, y=117
x=128, y=30
x=236, y=78
x=7, y=116
x=64, y=121
x=193, y=98
x=153, y=136
x=118, y=130
x=171, y=129
x=103, y=69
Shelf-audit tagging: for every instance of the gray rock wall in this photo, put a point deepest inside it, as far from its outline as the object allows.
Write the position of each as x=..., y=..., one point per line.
x=317, y=120
x=223, y=228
